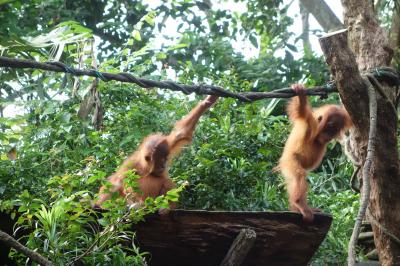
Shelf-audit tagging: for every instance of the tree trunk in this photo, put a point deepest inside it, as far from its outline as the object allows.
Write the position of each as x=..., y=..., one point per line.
x=370, y=43
x=395, y=33
x=370, y=49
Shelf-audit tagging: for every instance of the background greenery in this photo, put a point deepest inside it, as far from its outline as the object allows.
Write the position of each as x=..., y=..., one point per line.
x=62, y=158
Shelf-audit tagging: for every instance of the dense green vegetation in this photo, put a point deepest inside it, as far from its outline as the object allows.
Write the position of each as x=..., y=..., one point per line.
x=62, y=158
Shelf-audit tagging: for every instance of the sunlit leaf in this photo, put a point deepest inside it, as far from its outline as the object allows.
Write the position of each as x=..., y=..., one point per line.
x=136, y=35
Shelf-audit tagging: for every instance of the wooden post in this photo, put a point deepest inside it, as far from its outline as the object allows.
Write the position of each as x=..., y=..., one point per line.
x=239, y=248
x=349, y=82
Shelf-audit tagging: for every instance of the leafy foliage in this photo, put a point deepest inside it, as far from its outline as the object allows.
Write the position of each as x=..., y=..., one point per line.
x=53, y=161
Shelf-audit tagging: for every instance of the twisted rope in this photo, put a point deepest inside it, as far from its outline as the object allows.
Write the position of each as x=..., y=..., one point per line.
x=366, y=171
x=383, y=74
x=201, y=89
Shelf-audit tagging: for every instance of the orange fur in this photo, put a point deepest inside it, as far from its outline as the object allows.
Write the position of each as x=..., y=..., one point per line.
x=152, y=158
x=312, y=130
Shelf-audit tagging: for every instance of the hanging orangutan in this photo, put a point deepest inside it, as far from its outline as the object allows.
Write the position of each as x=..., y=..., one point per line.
x=312, y=131
x=152, y=158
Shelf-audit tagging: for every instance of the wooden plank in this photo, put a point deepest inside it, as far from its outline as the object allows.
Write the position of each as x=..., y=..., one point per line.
x=195, y=237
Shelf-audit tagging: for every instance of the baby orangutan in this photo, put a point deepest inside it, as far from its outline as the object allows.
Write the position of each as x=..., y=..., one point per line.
x=150, y=161
x=306, y=145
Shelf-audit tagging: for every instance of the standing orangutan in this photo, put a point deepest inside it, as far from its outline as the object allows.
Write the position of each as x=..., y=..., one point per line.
x=152, y=158
x=306, y=145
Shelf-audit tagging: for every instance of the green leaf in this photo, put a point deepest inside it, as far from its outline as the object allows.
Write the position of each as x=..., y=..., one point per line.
x=161, y=56
x=149, y=18
x=253, y=40
x=65, y=117
x=49, y=110
x=94, y=178
x=172, y=195
x=177, y=46
x=136, y=35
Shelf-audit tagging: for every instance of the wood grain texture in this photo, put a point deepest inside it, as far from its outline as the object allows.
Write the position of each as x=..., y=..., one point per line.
x=192, y=237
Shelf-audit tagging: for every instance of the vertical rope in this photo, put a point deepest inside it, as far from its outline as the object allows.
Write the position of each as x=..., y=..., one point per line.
x=366, y=187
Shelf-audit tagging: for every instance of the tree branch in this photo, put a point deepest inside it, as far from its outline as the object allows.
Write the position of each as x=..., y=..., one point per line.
x=305, y=36
x=11, y=242
x=323, y=14
x=240, y=247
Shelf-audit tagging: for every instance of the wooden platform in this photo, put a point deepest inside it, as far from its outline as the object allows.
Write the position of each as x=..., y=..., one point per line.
x=191, y=237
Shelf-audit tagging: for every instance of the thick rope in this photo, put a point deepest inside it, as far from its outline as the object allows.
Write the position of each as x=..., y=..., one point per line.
x=366, y=171
x=201, y=89
x=382, y=74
